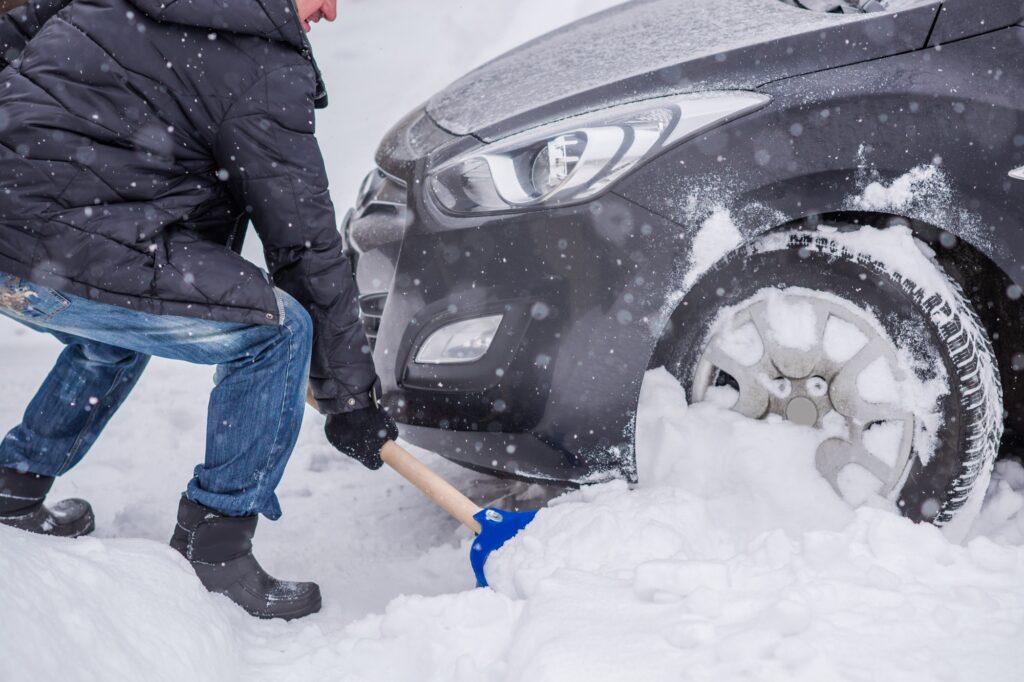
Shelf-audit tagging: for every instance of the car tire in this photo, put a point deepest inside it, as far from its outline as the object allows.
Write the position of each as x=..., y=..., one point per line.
x=939, y=330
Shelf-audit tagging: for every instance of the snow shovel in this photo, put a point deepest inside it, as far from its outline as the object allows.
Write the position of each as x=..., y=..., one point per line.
x=493, y=527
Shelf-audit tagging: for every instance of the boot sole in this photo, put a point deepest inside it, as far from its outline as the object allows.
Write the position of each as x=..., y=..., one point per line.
x=289, y=615
x=298, y=611
x=84, y=525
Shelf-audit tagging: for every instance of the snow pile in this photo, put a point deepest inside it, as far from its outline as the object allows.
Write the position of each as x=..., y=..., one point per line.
x=462, y=637
x=732, y=560
x=714, y=569
x=108, y=610
x=751, y=476
x=1001, y=519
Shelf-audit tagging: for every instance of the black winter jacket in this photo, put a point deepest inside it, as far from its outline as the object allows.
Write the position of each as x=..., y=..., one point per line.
x=138, y=138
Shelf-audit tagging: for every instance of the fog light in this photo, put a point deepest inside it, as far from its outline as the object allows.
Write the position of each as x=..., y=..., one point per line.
x=459, y=342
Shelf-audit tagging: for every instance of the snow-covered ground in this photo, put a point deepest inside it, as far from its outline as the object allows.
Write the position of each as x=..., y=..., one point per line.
x=733, y=560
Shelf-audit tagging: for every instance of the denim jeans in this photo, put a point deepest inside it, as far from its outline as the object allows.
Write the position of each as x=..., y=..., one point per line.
x=255, y=408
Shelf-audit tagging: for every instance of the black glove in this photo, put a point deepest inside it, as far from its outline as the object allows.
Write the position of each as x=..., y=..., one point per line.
x=361, y=434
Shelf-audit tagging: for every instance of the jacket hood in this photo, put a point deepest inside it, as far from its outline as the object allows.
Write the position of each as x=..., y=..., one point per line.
x=270, y=19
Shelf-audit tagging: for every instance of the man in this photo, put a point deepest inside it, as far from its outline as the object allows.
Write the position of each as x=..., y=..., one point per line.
x=138, y=138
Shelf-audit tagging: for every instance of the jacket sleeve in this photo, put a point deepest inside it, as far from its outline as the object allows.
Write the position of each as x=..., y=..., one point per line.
x=21, y=24
x=268, y=154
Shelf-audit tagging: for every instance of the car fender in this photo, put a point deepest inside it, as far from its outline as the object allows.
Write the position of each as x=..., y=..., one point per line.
x=944, y=125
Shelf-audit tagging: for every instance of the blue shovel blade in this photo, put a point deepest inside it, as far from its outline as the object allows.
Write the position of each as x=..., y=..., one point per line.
x=497, y=527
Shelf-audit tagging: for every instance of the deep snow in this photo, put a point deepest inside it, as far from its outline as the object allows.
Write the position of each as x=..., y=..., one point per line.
x=713, y=568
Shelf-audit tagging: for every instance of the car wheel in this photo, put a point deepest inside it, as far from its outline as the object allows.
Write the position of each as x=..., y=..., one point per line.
x=888, y=359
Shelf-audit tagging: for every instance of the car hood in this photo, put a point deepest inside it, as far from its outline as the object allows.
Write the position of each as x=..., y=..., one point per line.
x=650, y=48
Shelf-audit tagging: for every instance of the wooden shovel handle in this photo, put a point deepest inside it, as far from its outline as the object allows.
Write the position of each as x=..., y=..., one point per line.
x=7, y=5
x=310, y=400
x=433, y=486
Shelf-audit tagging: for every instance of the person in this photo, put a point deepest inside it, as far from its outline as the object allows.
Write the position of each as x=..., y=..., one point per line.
x=138, y=139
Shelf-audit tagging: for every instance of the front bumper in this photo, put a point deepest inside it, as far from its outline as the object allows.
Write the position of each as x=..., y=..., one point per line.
x=522, y=456
x=584, y=294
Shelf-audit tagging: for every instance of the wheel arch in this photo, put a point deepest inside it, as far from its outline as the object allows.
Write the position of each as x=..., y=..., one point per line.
x=831, y=138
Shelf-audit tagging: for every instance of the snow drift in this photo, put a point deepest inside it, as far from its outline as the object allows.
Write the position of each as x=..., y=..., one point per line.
x=733, y=560
x=107, y=610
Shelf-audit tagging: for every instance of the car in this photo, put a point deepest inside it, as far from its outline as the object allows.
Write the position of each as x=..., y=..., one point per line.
x=804, y=210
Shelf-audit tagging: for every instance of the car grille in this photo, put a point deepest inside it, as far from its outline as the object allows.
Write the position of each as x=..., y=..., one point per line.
x=371, y=308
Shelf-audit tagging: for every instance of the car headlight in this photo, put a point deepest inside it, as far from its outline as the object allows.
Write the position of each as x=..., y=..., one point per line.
x=575, y=159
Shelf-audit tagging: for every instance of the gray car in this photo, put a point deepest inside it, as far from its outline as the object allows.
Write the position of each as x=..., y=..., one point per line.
x=645, y=186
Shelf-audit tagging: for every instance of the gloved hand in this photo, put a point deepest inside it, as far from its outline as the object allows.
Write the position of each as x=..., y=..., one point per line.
x=361, y=434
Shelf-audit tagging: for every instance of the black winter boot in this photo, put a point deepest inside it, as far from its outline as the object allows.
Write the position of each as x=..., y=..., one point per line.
x=21, y=506
x=219, y=548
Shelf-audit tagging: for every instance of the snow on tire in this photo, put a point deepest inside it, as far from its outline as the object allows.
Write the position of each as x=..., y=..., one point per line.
x=915, y=408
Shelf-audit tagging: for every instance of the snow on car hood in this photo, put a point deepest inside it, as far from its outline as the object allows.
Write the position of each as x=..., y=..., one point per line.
x=649, y=48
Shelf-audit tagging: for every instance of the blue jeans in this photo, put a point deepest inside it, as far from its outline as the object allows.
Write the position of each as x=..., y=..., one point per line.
x=255, y=408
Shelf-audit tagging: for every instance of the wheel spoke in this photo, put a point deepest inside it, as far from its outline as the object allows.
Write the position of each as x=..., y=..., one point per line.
x=835, y=454
x=753, y=400
x=845, y=393
x=852, y=406
x=871, y=351
x=879, y=469
x=792, y=363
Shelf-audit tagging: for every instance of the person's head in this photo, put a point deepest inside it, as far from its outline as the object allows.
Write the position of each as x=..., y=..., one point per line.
x=311, y=11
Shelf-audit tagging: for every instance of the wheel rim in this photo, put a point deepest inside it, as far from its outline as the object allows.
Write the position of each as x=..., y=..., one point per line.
x=810, y=382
